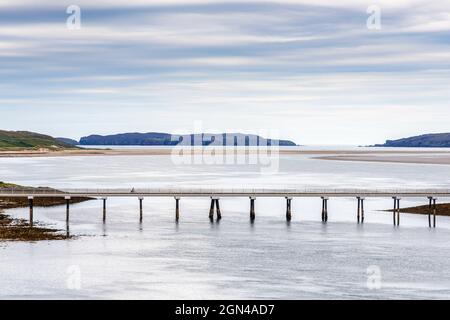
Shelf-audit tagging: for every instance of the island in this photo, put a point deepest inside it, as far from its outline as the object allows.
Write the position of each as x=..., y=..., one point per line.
x=167, y=139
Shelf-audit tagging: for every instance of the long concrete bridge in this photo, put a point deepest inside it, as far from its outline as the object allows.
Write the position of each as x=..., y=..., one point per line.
x=215, y=194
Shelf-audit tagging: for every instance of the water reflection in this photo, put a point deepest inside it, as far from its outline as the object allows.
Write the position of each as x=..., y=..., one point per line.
x=196, y=258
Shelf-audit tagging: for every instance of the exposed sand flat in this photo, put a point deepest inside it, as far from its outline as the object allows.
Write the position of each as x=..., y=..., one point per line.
x=124, y=152
x=442, y=209
x=418, y=158
x=376, y=155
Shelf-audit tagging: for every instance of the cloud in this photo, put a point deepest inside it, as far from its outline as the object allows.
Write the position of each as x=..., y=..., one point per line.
x=281, y=60
x=152, y=3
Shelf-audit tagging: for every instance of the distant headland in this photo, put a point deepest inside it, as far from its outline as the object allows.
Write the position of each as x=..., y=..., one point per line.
x=436, y=140
x=167, y=139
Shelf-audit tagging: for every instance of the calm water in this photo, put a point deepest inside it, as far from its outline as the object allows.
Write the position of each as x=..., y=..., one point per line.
x=234, y=259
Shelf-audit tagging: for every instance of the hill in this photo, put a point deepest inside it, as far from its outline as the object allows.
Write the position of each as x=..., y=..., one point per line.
x=166, y=139
x=69, y=141
x=25, y=139
x=437, y=140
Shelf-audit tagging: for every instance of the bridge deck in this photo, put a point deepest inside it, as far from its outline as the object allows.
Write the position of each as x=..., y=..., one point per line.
x=208, y=192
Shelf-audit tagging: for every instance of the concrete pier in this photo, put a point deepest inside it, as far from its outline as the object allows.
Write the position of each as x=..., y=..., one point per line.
x=177, y=209
x=288, y=209
x=252, y=209
x=141, y=210
x=30, y=201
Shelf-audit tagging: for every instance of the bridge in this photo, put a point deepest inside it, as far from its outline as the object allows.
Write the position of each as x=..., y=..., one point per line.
x=215, y=194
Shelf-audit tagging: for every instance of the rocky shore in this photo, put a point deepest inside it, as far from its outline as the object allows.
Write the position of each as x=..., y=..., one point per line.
x=19, y=229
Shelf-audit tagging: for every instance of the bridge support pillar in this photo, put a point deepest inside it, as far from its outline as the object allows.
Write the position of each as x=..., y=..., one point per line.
x=214, y=207
x=434, y=212
x=177, y=209
x=104, y=209
x=67, y=209
x=211, y=209
x=396, y=212
x=30, y=202
x=141, y=211
x=219, y=214
x=360, y=215
x=252, y=209
x=430, y=210
x=359, y=209
x=324, y=209
x=288, y=209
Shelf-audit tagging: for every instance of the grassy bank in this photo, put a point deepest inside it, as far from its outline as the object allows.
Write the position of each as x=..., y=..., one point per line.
x=19, y=229
x=29, y=140
x=8, y=185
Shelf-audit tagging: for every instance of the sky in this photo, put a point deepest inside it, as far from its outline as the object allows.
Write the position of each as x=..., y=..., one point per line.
x=313, y=71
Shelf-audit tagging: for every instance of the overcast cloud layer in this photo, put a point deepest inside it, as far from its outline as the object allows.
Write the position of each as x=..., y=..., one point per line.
x=310, y=70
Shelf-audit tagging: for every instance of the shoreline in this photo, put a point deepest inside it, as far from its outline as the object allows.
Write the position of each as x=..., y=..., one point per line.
x=13, y=229
x=417, y=158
